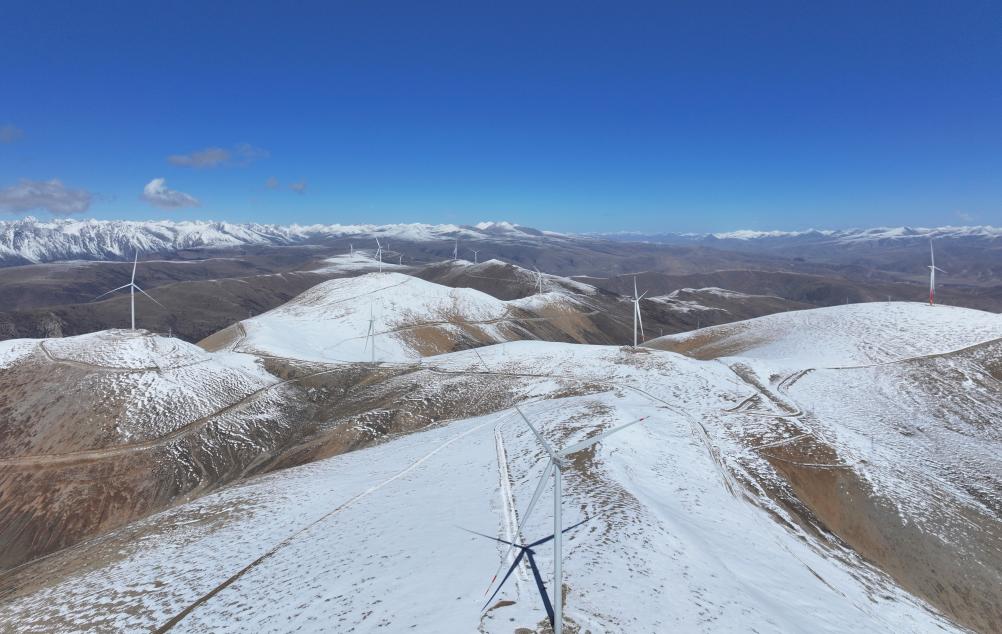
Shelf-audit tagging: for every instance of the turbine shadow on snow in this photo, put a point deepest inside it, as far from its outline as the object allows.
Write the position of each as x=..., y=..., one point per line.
x=526, y=550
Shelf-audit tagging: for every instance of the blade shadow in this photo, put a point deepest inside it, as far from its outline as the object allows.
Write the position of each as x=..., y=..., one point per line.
x=527, y=552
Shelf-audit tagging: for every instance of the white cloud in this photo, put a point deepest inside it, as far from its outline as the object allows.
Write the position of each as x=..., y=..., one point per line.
x=964, y=216
x=51, y=196
x=241, y=155
x=10, y=133
x=157, y=194
x=271, y=183
x=299, y=187
x=245, y=153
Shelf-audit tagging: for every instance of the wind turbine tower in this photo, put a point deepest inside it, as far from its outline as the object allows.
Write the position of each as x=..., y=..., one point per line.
x=539, y=281
x=455, y=251
x=932, y=274
x=370, y=337
x=558, y=459
x=636, y=313
x=132, y=292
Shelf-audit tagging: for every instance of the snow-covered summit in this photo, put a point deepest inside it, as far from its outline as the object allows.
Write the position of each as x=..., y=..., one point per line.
x=410, y=317
x=853, y=334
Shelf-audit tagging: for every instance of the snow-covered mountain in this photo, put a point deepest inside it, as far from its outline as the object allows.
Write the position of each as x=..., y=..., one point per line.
x=827, y=236
x=33, y=240
x=745, y=500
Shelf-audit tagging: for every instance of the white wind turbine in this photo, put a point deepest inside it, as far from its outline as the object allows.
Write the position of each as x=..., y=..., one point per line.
x=636, y=313
x=475, y=252
x=132, y=292
x=379, y=254
x=558, y=459
x=539, y=281
x=932, y=274
x=370, y=337
x=455, y=251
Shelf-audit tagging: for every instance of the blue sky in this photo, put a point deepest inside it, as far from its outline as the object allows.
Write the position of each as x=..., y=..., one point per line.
x=583, y=116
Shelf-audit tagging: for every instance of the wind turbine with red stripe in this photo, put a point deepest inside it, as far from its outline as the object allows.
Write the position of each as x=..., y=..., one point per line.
x=932, y=274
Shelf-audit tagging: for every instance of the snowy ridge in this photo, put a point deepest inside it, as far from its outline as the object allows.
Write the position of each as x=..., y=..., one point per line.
x=836, y=236
x=329, y=322
x=850, y=335
x=33, y=240
x=348, y=544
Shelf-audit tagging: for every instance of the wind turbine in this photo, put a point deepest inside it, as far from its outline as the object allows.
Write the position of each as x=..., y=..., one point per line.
x=132, y=292
x=371, y=335
x=475, y=252
x=539, y=281
x=455, y=251
x=379, y=254
x=636, y=313
x=351, y=250
x=526, y=550
x=932, y=274
x=557, y=461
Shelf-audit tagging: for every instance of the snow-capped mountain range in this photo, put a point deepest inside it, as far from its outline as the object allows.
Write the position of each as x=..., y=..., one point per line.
x=33, y=240
x=30, y=240
x=819, y=235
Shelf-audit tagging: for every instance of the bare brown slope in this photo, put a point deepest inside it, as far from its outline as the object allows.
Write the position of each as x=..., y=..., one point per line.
x=192, y=310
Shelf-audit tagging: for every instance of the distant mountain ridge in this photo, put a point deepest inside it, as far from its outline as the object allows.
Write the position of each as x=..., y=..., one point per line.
x=34, y=241
x=813, y=235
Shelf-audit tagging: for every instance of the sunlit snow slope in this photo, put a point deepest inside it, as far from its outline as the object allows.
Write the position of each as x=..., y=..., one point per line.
x=821, y=471
x=374, y=541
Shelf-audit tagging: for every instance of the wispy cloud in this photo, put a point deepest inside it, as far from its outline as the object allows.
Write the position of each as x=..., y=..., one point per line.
x=299, y=187
x=51, y=196
x=156, y=193
x=240, y=155
x=10, y=133
x=964, y=216
x=271, y=183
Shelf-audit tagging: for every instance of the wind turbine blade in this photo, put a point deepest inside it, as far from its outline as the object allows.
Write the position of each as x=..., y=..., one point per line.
x=939, y=269
x=641, y=296
x=640, y=320
x=635, y=287
x=535, y=495
x=528, y=510
x=497, y=539
x=111, y=291
x=546, y=539
x=539, y=436
x=540, y=586
x=148, y=295
x=135, y=262
x=588, y=442
x=507, y=574
x=378, y=244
